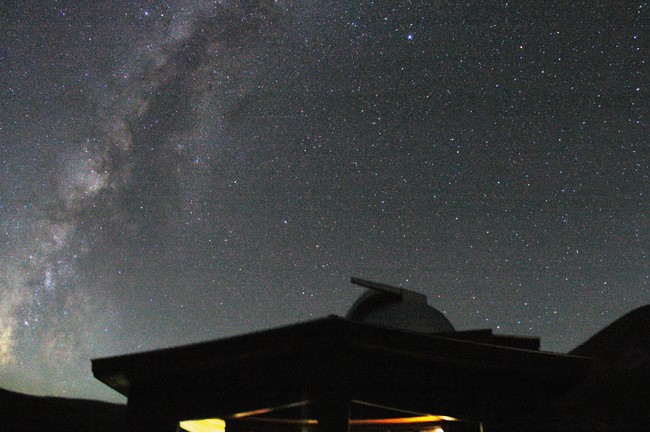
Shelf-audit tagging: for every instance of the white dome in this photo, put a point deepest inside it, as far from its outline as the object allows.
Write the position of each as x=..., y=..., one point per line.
x=398, y=308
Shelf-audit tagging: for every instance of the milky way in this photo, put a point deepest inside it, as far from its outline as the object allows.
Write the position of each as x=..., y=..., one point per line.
x=186, y=170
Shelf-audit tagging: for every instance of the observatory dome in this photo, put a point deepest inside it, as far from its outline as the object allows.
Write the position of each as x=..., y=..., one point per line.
x=396, y=307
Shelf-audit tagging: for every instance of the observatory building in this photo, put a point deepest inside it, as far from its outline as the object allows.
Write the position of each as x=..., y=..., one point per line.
x=393, y=363
x=394, y=307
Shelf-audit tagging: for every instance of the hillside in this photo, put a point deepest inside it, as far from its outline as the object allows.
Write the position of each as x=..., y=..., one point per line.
x=614, y=395
x=23, y=412
x=625, y=343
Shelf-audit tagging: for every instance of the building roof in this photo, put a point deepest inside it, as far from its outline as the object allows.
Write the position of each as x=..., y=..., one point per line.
x=118, y=371
x=372, y=365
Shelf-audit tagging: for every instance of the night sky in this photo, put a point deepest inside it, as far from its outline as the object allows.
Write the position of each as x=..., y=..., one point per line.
x=179, y=171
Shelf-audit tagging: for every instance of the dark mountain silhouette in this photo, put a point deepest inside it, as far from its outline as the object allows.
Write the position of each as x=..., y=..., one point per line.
x=615, y=394
x=23, y=412
x=623, y=344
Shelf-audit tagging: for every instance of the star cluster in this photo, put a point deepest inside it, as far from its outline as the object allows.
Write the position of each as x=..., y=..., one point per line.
x=177, y=171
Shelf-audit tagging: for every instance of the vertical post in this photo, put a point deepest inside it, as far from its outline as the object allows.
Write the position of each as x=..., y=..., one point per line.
x=327, y=383
x=332, y=411
x=146, y=411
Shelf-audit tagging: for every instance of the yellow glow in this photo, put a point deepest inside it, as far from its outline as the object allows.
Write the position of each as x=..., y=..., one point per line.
x=252, y=413
x=266, y=410
x=219, y=425
x=406, y=420
x=204, y=425
x=285, y=421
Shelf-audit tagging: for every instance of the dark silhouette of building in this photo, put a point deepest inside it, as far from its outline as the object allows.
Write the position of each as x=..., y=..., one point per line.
x=394, y=363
